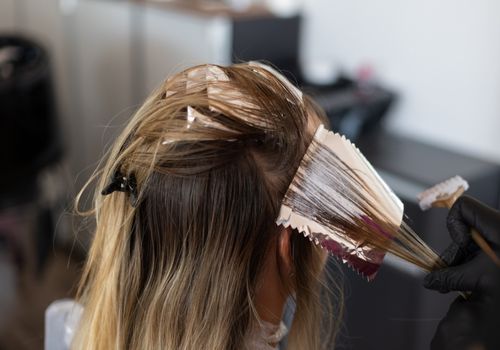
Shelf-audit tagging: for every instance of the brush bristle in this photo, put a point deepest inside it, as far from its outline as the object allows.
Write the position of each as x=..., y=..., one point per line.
x=442, y=190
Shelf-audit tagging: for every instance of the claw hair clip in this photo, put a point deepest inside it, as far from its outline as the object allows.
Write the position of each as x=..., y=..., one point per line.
x=122, y=183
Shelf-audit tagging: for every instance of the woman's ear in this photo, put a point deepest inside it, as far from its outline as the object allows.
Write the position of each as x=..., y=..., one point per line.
x=285, y=251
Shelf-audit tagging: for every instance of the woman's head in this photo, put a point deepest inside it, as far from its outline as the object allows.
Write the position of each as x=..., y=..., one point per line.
x=213, y=151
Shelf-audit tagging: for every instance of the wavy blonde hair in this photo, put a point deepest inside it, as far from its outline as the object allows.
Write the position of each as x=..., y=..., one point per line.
x=179, y=269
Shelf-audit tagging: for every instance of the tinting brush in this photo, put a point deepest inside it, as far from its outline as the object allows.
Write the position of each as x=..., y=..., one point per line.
x=339, y=202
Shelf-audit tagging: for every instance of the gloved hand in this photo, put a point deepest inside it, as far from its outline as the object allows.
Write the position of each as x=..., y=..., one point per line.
x=468, y=323
x=470, y=269
x=461, y=329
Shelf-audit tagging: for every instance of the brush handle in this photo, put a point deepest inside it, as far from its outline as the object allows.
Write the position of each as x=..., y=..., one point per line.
x=481, y=242
x=476, y=236
x=485, y=247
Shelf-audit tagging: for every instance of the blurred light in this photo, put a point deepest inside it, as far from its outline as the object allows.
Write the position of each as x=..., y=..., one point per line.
x=321, y=71
x=68, y=7
x=284, y=8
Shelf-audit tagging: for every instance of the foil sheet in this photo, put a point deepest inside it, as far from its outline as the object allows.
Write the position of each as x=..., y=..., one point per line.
x=359, y=254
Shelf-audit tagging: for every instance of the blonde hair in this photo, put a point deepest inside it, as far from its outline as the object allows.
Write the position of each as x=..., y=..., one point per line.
x=179, y=268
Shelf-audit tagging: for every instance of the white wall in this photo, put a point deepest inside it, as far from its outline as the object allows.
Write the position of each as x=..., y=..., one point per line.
x=7, y=13
x=99, y=49
x=175, y=40
x=443, y=57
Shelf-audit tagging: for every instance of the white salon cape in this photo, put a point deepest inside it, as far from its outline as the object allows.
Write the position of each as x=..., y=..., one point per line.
x=62, y=317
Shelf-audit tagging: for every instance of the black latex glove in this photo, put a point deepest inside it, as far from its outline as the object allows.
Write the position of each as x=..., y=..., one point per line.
x=469, y=321
x=470, y=269
x=460, y=329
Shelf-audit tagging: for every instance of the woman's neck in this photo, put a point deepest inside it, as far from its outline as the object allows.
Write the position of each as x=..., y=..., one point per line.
x=271, y=295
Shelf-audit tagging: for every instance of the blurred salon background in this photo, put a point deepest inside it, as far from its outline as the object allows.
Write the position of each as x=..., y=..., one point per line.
x=416, y=84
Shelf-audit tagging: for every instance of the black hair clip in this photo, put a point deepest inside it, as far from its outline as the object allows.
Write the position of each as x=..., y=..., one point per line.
x=121, y=183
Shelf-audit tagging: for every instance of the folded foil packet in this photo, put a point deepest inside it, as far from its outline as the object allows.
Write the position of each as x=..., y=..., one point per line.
x=339, y=202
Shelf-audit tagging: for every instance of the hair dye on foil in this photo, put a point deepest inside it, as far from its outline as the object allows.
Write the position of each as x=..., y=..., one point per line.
x=340, y=202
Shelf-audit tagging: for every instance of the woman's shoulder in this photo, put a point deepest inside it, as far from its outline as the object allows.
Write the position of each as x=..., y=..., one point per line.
x=266, y=336
x=61, y=321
